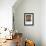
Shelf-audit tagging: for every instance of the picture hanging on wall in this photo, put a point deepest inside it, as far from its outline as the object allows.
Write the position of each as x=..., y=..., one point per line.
x=28, y=19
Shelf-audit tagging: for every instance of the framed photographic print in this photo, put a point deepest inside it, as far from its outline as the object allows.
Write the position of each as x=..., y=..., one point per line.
x=28, y=19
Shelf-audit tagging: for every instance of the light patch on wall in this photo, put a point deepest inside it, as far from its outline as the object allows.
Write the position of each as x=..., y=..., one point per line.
x=6, y=13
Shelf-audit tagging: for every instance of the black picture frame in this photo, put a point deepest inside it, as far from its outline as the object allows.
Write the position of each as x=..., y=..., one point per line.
x=28, y=19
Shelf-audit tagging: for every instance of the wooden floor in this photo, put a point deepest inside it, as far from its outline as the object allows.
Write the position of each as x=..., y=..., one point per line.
x=9, y=43
x=12, y=42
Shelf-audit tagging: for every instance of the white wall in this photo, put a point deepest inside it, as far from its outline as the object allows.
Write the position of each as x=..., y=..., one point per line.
x=6, y=13
x=43, y=22
x=27, y=6
x=31, y=32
